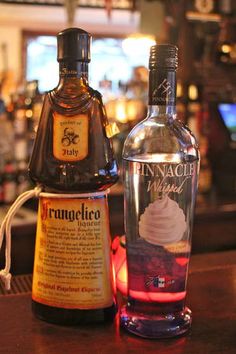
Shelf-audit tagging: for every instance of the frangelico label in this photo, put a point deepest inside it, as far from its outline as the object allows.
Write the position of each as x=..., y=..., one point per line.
x=70, y=137
x=72, y=267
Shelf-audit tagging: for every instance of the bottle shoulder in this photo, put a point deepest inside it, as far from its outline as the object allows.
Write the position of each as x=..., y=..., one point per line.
x=160, y=136
x=80, y=100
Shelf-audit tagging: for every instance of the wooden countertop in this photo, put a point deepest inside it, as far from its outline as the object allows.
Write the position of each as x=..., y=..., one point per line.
x=211, y=296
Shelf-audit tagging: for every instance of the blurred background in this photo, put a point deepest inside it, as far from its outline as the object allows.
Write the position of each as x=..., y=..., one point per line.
x=123, y=31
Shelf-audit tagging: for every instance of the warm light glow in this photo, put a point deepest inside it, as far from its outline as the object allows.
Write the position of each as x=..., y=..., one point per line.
x=121, y=280
x=138, y=43
x=28, y=101
x=192, y=92
x=124, y=110
x=29, y=113
x=183, y=261
x=135, y=109
x=119, y=261
x=132, y=112
x=120, y=113
x=225, y=48
x=120, y=266
x=179, y=90
x=161, y=297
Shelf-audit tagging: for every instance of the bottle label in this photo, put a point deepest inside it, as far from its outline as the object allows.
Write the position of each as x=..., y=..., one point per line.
x=70, y=137
x=162, y=88
x=158, y=227
x=72, y=267
x=68, y=72
x=73, y=69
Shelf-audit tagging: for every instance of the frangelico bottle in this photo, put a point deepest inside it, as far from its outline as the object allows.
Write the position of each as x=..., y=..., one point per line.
x=73, y=161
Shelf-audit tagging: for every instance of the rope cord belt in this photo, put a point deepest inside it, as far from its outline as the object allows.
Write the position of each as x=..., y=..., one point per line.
x=5, y=229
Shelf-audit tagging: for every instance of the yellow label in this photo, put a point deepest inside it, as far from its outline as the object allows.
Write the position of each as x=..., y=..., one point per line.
x=70, y=137
x=72, y=267
x=111, y=130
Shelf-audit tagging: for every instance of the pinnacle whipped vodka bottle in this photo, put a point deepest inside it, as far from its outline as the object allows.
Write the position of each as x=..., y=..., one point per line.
x=161, y=163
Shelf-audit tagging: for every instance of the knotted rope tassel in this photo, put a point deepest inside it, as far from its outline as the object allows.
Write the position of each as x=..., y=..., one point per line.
x=5, y=229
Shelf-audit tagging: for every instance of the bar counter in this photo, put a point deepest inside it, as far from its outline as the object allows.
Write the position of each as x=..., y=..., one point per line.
x=211, y=296
x=213, y=231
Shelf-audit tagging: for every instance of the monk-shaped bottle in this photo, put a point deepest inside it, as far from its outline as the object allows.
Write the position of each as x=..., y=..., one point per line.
x=72, y=152
x=73, y=161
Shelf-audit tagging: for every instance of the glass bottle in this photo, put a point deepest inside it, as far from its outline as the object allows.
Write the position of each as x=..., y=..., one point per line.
x=72, y=160
x=160, y=161
x=78, y=158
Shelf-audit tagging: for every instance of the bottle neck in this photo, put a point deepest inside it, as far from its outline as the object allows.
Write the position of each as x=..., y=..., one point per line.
x=73, y=71
x=162, y=91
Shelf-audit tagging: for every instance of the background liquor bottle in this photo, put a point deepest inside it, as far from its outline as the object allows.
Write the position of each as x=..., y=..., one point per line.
x=160, y=170
x=72, y=154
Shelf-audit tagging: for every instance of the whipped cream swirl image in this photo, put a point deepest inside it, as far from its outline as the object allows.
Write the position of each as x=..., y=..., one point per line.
x=162, y=222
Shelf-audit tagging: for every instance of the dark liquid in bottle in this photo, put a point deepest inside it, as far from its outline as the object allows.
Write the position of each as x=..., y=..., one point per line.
x=73, y=316
x=96, y=171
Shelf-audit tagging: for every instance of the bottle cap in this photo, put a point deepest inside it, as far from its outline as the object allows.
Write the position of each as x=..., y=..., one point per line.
x=73, y=44
x=163, y=55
